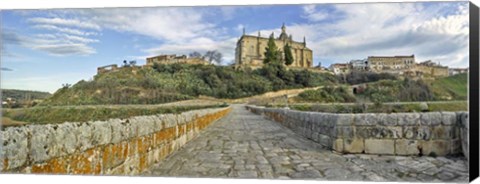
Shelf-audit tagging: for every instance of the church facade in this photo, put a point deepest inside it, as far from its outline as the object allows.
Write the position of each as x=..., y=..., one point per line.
x=250, y=50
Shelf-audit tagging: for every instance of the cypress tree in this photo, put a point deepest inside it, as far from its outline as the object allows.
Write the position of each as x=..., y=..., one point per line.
x=271, y=52
x=288, y=54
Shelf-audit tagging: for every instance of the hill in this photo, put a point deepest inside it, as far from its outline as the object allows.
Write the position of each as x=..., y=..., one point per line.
x=23, y=94
x=175, y=82
x=451, y=88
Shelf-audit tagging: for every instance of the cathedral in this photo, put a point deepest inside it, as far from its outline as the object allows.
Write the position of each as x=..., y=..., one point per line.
x=250, y=50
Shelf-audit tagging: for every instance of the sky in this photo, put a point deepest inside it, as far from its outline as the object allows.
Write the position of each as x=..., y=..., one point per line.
x=44, y=49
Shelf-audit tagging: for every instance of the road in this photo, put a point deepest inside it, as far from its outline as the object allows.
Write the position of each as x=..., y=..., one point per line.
x=245, y=145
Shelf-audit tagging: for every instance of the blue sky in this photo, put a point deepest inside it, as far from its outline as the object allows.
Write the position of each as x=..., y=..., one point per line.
x=43, y=49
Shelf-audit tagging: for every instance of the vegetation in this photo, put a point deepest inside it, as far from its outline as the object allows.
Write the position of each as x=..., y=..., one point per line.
x=288, y=55
x=272, y=54
x=382, y=108
x=451, y=88
x=174, y=82
x=328, y=95
x=359, y=77
x=22, y=98
x=51, y=115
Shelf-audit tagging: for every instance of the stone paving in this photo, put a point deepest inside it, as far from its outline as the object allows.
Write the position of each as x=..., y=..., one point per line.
x=245, y=145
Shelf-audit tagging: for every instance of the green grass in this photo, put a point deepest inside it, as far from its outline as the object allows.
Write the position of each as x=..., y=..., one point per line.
x=380, y=108
x=53, y=115
x=452, y=87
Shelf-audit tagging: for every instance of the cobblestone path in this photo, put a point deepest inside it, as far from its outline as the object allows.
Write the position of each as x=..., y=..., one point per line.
x=245, y=145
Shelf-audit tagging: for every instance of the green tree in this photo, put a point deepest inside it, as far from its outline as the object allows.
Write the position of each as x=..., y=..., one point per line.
x=288, y=54
x=271, y=52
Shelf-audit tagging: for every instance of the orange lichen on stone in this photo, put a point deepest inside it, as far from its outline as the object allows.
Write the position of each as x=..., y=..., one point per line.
x=80, y=164
x=58, y=165
x=5, y=164
x=42, y=168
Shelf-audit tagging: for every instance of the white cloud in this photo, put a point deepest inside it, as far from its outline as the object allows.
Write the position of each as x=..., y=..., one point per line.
x=65, y=22
x=168, y=24
x=313, y=15
x=64, y=30
x=392, y=29
x=57, y=45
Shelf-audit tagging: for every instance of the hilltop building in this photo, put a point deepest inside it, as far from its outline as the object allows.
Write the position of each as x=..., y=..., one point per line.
x=432, y=69
x=250, y=50
x=401, y=65
x=389, y=63
x=455, y=71
x=340, y=68
x=359, y=64
x=171, y=59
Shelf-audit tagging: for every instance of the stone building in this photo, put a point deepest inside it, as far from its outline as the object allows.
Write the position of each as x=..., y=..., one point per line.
x=250, y=50
x=359, y=64
x=390, y=63
x=455, y=71
x=432, y=69
x=171, y=59
x=108, y=68
x=340, y=68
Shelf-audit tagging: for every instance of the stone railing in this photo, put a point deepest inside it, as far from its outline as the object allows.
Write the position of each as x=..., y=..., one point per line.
x=430, y=133
x=112, y=147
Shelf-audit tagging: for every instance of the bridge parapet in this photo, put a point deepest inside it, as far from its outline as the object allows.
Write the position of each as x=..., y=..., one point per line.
x=429, y=133
x=111, y=147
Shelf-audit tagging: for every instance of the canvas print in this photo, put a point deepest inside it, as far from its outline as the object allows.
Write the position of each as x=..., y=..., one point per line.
x=336, y=92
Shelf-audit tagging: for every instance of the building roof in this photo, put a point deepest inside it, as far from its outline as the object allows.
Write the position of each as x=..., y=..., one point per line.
x=391, y=56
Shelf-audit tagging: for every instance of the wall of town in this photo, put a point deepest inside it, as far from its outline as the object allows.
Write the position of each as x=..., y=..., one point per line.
x=112, y=147
x=430, y=133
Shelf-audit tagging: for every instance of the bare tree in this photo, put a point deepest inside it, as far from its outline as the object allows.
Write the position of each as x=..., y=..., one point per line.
x=213, y=56
x=195, y=54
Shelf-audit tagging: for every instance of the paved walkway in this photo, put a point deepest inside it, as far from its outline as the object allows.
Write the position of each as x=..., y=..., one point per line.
x=245, y=145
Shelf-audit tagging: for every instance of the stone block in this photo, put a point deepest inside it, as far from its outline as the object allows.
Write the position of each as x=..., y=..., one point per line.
x=387, y=119
x=380, y=146
x=14, y=147
x=348, y=132
x=379, y=132
x=353, y=145
x=338, y=145
x=406, y=147
x=437, y=148
x=344, y=119
x=417, y=132
x=408, y=119
x=84, y=135
x=367, y=119
x=325, y=140
x=66, y=139
x=169, y=120
x=449, y=118
x=42, y=143
x=101, y=132
x=455, y=146
x=443, y=132
x=120, y=131
x=430, y=118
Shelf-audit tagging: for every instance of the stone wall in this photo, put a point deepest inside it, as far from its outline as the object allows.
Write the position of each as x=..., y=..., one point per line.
x=431, y=133
x=112, y=147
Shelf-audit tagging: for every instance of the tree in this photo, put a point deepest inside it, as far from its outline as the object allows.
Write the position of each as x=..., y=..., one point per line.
x=213, y=56
x=133, y=63
x=195, y=54
x=124, y=62
x=271, y=52
x=288, y=54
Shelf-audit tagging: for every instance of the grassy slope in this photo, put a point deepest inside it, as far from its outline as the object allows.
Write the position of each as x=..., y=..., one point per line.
x=169, y=83
x=51, y=115
x=452, y=87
